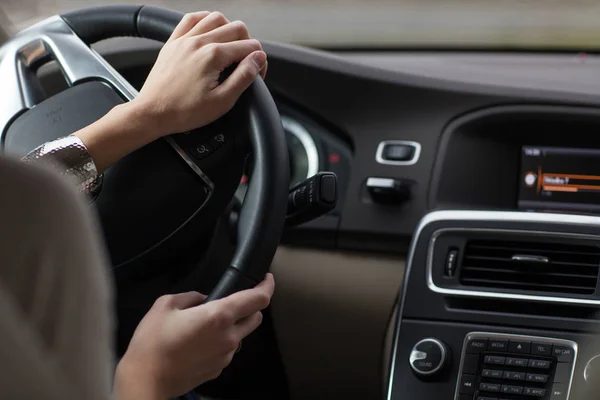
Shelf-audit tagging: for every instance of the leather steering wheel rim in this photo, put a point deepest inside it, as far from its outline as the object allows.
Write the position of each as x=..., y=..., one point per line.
x=262, y=217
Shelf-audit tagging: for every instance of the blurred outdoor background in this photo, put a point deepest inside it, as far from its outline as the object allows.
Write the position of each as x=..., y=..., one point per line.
x=537, y=24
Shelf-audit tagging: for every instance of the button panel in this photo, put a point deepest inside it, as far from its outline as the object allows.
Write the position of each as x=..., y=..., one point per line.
x=503, y=366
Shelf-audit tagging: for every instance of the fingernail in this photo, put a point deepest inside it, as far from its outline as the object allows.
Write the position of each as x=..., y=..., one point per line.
x=260, y=59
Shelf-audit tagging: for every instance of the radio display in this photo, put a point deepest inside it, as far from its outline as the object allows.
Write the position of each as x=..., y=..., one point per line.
x=560, y=179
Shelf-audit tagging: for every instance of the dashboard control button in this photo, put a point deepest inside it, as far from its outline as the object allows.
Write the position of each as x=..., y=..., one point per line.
x=389, y=191
x=428, y=357
x=541, y=349
x=538, y=378
x=489, y=387
x=516, y=346
x=516, y=362
x=467, y=384
x=541, y=364
x=398, y=152
x=486, y=398
x=218, y=139
x=470, y=364
x=537, y=392
x=509, y=389
x=563, y=373
x=476, y=346
x=497, y=345
x=329, y=189
x=494, y=360
x=201, y=151
x=559, y=392
x=492, y=373
x=514, y=376
x=563, y=353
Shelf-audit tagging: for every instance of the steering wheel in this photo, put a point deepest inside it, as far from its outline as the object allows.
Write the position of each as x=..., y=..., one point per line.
x=162, y=200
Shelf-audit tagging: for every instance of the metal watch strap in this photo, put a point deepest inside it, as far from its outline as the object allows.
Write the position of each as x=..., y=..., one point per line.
x=72, y=159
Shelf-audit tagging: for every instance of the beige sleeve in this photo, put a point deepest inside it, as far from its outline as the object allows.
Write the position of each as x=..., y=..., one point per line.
x=55, y=291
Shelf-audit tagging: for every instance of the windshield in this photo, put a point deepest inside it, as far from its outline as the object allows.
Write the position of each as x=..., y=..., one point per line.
x=521, y=24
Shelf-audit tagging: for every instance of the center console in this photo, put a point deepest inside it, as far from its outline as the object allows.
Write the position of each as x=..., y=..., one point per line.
x=501, y=305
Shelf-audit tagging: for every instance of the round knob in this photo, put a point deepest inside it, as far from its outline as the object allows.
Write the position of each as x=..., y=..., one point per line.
x=429, y=357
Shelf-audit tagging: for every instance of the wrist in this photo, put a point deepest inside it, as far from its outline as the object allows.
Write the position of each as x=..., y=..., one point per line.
x=133, y=383
x=148, y=117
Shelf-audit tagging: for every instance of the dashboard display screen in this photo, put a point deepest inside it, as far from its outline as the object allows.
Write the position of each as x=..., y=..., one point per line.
x=560, y=179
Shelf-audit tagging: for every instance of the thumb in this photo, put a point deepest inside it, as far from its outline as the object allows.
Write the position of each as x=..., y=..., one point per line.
x=182, y=301
x=243, y=76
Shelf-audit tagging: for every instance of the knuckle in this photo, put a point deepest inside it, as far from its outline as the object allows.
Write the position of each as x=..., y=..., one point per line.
x=230, y=343
x=240, y=28
x=221, y=317
x=215, y=374
x=213, y=50
x=219, y=17
x=264, y=300
x=164, y=301
x=254, y=43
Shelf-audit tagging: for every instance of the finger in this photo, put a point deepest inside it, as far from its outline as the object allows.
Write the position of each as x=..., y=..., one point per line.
x=248, y=302
x=181, y=301
x=188, y=22
x=211, y=22
x=248, y=325
x=231, y=32
x=243, y=76
x=263, y=72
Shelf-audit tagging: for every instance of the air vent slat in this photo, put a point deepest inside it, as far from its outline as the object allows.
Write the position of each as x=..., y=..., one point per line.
x=531, y=266
x=522, y=273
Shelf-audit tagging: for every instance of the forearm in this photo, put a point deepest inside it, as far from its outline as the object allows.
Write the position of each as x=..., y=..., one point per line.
x=87, y=153
x=123, y=130
x=129, y=385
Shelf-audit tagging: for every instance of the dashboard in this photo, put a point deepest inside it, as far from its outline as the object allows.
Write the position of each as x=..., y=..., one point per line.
x=485, y=169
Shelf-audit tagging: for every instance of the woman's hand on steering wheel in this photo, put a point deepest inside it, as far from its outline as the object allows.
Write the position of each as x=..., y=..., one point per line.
x=183, y=91
x=182, y=343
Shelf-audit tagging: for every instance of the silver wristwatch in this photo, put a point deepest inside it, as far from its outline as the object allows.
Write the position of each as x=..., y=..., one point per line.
x=72, y=159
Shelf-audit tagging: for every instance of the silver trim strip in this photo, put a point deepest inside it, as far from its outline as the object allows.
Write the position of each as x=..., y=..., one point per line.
x=418, y=355
x=466, y=215
x=379, y=153
x=300, y=132
x=78, y=62
x=490, y=335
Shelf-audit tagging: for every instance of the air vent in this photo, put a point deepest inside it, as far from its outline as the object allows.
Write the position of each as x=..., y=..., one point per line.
x=531, y=266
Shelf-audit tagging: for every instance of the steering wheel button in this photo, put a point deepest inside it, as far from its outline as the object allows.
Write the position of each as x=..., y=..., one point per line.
x=201, y=151
x=219, y=139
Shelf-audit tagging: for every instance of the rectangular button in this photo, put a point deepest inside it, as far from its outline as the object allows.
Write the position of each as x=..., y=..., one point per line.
x=517, y=346
x=475, y=346
x=497, y=345
x=559, y=392
x=514, y=376
x=541, y=364
x=508, y=389
x=492, y=373
x=494, y=360
x=467, y=384
x=563, y=353
x=539, y=378
x=516, y=362
x=563, y=373
x=541, y=349
x=537, y=392
x=470, y=364
x=489, y=387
